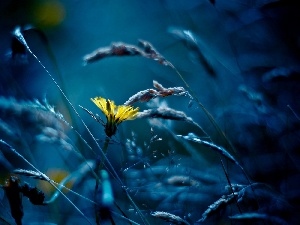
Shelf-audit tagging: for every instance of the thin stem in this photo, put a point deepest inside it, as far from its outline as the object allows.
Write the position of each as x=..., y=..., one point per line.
x=53, y=184
x=230, y=185
x=209, y=116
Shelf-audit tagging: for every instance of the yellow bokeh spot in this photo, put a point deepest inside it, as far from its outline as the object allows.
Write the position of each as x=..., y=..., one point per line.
x=47, y=14
x=57, y=175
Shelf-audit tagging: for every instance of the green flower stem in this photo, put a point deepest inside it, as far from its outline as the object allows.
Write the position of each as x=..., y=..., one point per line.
x=98, y=167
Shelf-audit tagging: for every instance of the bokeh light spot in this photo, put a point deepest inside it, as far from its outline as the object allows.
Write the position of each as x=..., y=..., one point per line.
x=48, y=14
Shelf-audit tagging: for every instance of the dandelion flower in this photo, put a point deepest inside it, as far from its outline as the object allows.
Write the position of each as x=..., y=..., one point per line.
x=115, y=114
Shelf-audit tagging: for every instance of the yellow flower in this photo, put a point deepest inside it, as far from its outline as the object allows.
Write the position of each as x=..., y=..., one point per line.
x=114, y=114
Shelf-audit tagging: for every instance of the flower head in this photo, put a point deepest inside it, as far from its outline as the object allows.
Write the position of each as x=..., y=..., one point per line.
x=115, y=114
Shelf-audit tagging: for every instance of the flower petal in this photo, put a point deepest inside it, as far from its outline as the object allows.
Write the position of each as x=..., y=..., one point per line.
x=126, y=113
x=101, y=103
